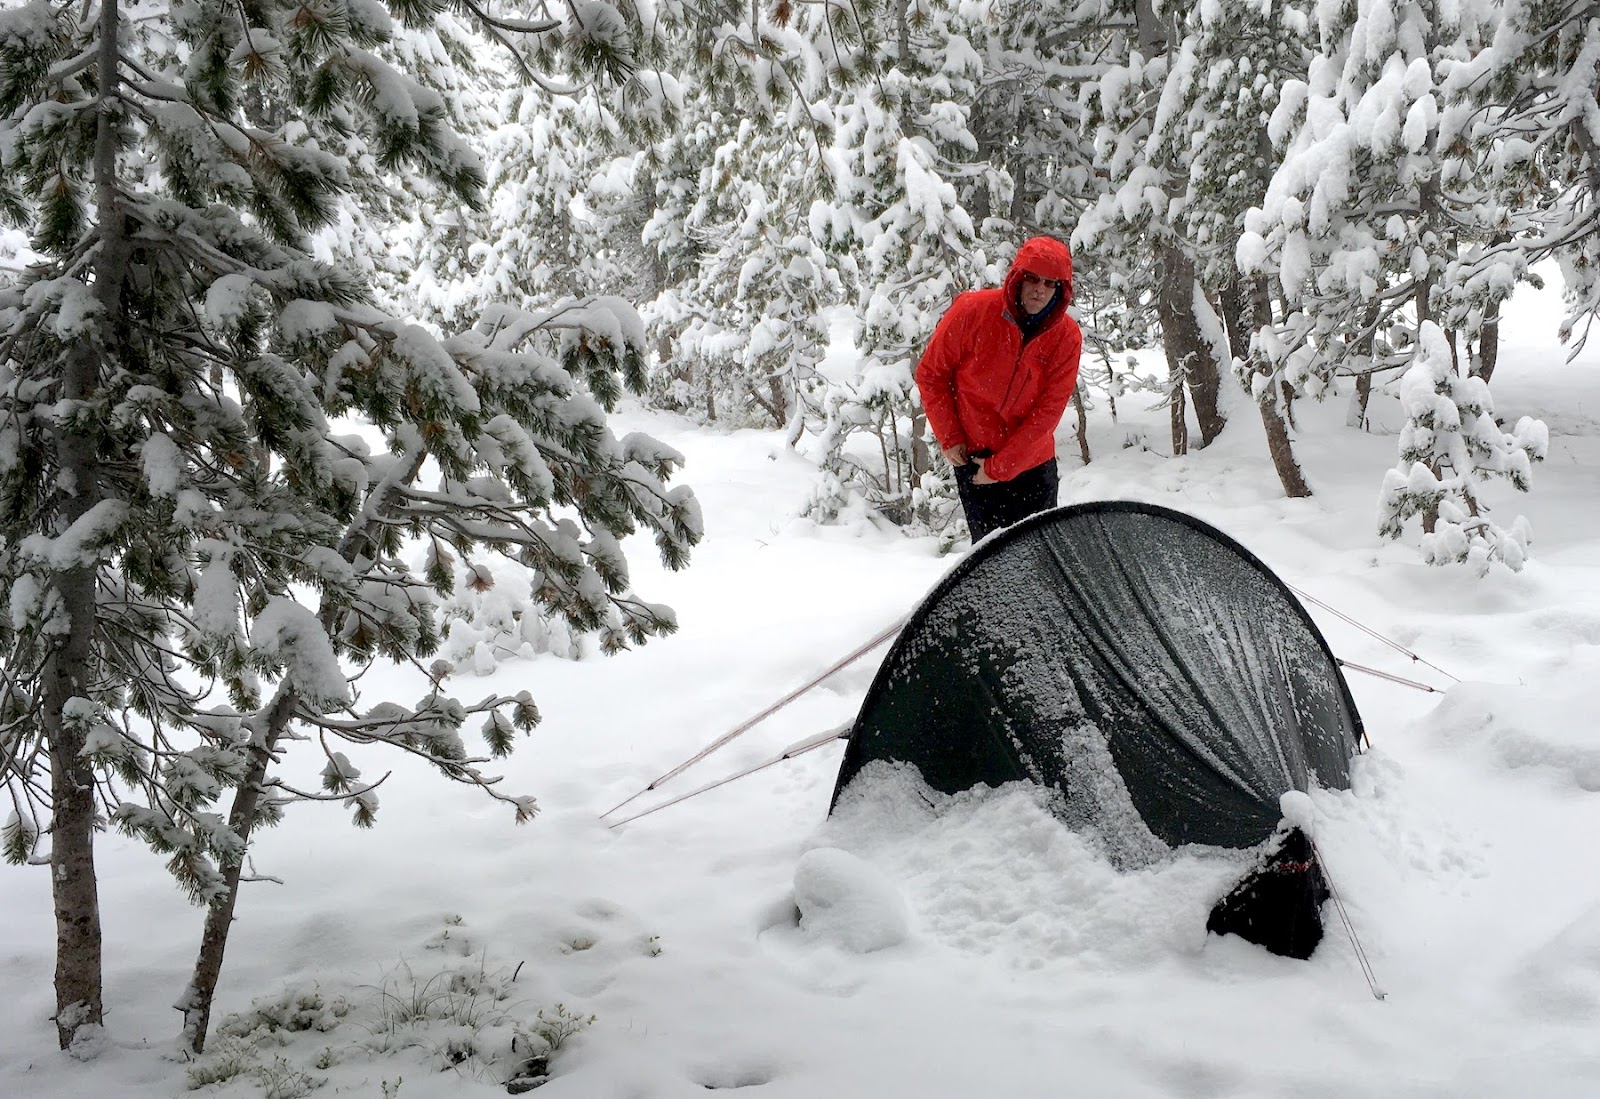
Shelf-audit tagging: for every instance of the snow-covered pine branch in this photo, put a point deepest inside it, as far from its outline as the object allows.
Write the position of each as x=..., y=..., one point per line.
x=1449, y=447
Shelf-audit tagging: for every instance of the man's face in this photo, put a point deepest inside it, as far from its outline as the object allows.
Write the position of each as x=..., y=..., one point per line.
x=1037, y=292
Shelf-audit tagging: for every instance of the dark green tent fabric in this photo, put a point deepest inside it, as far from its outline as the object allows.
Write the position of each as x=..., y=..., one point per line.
x=1139, y=661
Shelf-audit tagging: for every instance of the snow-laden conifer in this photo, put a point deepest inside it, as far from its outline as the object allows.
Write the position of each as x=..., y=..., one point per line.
x=1157, y=92
x=221, y=458
x=902, y=137
x=1387, y=238
x=749, y=326
x=1449, y=446
x=740, y=319
x=1529, y=97
x=1226, y=79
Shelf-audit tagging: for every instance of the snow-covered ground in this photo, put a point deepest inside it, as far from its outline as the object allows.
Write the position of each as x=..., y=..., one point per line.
x=971, y=951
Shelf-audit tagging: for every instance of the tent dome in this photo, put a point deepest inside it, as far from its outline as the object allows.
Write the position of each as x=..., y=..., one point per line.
x=1135, y=659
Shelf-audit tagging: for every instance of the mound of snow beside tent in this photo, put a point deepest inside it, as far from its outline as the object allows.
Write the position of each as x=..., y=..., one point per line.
x=843, y=900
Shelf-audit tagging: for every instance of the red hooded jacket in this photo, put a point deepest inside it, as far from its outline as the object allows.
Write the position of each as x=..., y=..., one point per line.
x=982, y=388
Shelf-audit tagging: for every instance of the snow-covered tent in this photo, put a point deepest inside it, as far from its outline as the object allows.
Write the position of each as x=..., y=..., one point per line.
x=1147, y=667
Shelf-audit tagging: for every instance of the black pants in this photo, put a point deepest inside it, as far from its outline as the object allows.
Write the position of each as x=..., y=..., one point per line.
x=990, y=507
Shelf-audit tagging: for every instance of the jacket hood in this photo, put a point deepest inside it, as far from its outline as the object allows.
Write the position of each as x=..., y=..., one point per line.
x=1046, y=257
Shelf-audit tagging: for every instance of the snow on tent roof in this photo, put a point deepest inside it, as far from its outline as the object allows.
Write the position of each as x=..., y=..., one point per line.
x=1141, y=662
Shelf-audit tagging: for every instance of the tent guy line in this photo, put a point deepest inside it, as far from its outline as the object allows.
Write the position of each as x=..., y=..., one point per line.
x=750, y=723
x=840, y=732
x=1391, y=677
x=1370, y=632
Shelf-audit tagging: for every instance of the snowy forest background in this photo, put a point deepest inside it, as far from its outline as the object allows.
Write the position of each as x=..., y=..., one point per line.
x=317, y=317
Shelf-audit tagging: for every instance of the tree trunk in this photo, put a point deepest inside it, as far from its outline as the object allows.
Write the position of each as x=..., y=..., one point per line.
x=198, y=996
x=67, y=675
x=797, y=420
x=74, y=887
x=779, y=406
x=1113, y=381
x=1282, y=450
x=1237, y=317
x=773, y=404
x=1488, y=343
x=1176, y=406
x=1359, y=401
x=1019, y=192
x=1189, y=353
x=1083, y=425
x=978, y=200
x=1154, y=34
x=921, y=455
x=1280, y=445
x=1357, y=416
x=1428, y=205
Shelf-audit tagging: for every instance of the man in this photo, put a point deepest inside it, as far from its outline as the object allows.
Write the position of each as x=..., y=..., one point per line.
x=995, y=380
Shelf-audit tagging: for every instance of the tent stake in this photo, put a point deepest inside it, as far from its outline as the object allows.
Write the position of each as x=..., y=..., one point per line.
x=1349, y=927
x=840, y=733
x=747, y=725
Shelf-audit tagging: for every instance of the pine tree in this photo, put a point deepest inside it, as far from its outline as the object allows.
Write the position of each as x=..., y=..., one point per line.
x=763, y=286
x=1229, y=71
x=1530, y=98
x=201, y=422
x=902, y=137
x=1138, y=219
x=918, y=251
x=674, y=170
x=409, y=238
x=740, y=320
x=1383, y=232
x=1448, y=448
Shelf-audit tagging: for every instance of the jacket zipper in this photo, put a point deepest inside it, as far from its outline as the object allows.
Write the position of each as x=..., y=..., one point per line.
x=1015, y=366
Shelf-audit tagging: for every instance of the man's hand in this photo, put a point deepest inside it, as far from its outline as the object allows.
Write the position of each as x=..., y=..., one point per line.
x=956, y=455
x=982, y=476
